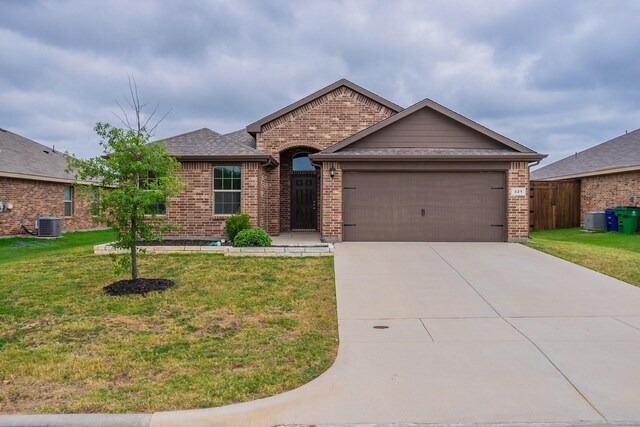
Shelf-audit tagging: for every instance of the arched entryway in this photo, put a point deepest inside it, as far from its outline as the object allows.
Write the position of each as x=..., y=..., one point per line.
x=299, y=190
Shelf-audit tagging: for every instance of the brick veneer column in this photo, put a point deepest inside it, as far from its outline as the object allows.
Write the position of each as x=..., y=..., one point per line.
x=518, y=206
x=250, y=191
x=271, y=200
x=331, y=202
x=263, y=194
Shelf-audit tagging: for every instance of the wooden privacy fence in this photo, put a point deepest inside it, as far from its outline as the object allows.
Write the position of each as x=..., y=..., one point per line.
x=554, y=204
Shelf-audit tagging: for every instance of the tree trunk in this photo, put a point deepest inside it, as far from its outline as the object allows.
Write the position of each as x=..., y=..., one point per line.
x=134, y=234
x=134, y=262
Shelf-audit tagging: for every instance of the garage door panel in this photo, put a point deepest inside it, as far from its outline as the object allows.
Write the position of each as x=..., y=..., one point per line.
x=424, y=206
x=380, y=213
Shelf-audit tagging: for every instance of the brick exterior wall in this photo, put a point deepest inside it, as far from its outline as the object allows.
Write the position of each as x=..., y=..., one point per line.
x=518, y=206
x=331, y=203
x=317, y=125
x=33, y=199
x=606, y=191
x=263, y=206
x=192, y=209
x=250, y=198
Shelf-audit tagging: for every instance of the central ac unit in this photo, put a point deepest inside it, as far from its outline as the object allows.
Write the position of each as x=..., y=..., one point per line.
x=49, y=226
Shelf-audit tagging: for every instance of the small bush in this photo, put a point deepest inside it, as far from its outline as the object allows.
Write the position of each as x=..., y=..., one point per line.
x=252, y=237
x=235, y=224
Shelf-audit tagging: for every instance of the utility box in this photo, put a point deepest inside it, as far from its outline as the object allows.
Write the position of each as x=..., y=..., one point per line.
x=596, y=220
x=49, y=226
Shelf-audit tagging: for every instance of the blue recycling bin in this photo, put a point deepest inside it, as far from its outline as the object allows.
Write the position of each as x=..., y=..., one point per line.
x=612, y=220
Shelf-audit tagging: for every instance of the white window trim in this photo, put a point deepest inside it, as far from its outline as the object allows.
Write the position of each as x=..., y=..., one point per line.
x=213, y=183
x=70, y=201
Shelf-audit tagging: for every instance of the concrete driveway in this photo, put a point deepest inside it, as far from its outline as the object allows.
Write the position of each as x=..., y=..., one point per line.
x=463, y=333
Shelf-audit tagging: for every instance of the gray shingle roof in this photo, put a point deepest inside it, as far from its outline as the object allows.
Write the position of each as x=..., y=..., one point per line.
x=620, y=152
x=366, y=154
x=22, y=156
x=205, y=142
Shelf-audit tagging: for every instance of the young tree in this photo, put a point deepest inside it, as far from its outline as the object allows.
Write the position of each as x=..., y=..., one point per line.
x=136, y=177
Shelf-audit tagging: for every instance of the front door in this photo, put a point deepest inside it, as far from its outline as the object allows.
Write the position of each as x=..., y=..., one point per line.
x=304, y=191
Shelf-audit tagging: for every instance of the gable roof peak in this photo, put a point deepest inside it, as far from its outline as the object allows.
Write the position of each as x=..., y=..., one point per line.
x=428, y=103
x=192, y=132
x=256, y=127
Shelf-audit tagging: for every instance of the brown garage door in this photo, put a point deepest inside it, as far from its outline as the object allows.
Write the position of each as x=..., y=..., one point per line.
x=424, y=206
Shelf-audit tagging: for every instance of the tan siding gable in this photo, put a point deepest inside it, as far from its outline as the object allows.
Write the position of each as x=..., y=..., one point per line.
x=427, y=128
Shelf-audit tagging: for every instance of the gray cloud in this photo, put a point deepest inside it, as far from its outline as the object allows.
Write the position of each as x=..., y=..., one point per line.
x=556, y=76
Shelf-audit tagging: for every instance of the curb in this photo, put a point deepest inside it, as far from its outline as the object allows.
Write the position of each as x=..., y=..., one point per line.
x=562, y=424
x=76, y=420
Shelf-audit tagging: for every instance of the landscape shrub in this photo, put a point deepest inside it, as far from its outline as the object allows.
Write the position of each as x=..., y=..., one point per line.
x=252, y=237
x=235, y=224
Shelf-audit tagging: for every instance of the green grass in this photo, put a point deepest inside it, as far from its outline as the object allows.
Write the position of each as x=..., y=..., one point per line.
x=614, y=254
x=232, y=329
x=19, y=247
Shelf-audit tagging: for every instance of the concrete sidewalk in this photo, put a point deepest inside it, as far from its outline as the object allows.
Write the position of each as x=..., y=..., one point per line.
x=448, y=333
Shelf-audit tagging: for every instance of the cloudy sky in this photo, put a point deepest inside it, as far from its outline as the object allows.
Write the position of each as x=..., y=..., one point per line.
x=557, y=76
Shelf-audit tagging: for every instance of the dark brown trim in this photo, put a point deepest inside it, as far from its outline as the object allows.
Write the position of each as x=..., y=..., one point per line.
x=417, y=166
x=255, y=127
x=265, y=159
x=427, y=103
x=342, y=156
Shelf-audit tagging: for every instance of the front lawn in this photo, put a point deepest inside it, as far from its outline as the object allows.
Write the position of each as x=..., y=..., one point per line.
x=614, y=254
x=232, y=329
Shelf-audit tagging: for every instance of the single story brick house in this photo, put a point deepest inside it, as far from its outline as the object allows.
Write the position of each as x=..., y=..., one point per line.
x=609, y=173
x=34, y=183
x=356, y=167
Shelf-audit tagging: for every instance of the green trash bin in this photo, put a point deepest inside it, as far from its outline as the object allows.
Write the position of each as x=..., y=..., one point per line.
x=627, y=219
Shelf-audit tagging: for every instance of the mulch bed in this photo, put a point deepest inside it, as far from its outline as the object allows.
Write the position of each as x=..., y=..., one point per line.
x=180, y=243
x=137, y=286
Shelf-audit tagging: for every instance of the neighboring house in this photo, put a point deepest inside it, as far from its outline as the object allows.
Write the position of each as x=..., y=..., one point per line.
x=356, y=167
x=609, y=173
x=33, y=180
